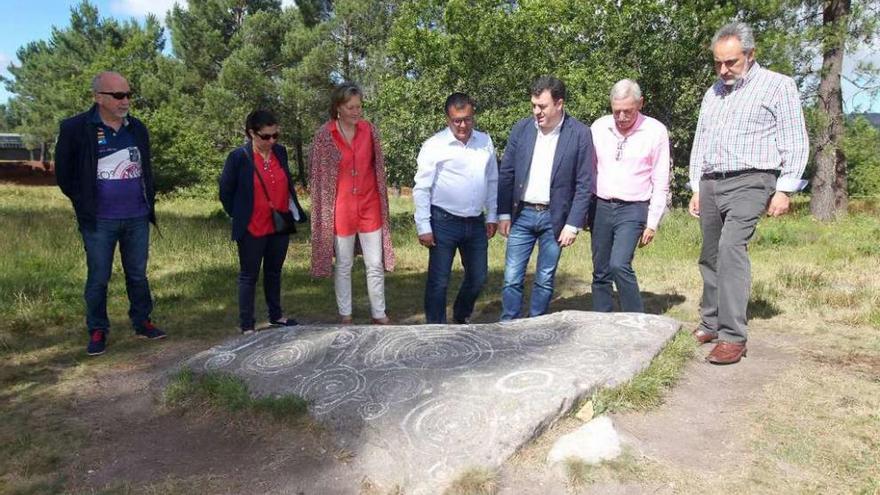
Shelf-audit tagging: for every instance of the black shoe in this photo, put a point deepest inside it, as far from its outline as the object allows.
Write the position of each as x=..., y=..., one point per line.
x=97, y=342
x=149, y=331
x=283, y=322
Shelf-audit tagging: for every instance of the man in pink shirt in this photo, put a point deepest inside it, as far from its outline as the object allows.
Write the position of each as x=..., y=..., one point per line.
x=632, y=182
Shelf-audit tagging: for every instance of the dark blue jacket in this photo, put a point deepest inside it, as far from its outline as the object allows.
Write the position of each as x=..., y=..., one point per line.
x=76, y=164
x=237, y=186
x=571, y=177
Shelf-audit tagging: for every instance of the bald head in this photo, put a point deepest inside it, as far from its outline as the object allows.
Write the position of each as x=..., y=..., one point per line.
x=112, y=95
x=107, y=77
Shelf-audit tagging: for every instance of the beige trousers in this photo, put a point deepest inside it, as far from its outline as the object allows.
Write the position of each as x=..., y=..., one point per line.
x=371, y=245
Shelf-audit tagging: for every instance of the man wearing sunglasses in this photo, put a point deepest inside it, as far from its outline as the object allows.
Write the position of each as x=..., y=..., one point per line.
x=102, y=163
x=632, y=181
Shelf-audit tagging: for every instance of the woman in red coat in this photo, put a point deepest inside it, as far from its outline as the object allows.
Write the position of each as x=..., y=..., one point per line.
x=350, y=202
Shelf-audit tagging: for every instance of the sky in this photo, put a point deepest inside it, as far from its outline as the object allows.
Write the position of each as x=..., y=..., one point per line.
x=23, y=21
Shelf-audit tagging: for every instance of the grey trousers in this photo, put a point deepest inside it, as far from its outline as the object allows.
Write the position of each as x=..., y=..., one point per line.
x=729, y=212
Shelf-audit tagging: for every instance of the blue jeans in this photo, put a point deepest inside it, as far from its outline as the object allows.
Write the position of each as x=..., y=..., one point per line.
x=617, y=228
x=530, y=226
x=270, y=252
x=133, y=236
x=468, y=236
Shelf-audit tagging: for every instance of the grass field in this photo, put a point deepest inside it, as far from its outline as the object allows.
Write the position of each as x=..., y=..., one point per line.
x=815, y=284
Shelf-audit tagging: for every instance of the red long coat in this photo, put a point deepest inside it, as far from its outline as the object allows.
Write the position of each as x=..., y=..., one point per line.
x=324, y=160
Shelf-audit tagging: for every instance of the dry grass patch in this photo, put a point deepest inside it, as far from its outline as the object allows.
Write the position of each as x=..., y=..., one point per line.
x=818, y=431
x=474, y=481
x=624, y=469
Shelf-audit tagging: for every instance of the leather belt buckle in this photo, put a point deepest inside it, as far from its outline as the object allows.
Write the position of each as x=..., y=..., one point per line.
x=536, y=206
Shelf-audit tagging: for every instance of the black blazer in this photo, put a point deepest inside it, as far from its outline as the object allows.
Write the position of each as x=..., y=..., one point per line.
x=571, y=178
x=237, y=187
x=76, y=164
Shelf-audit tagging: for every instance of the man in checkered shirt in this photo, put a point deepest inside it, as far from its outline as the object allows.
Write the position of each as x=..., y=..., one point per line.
x=749, y=153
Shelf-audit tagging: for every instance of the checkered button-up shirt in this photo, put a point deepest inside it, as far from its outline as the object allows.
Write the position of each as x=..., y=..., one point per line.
x=756, y=124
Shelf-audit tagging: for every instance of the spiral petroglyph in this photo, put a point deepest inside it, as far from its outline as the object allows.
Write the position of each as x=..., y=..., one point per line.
x=428, y=348
x=525, y=381
x=421, y=404
x=442, y=425
x=343, y=339
x=396, y=386
x=372, y=410
x=218, y=361
x=279, y=358
x=327, y=389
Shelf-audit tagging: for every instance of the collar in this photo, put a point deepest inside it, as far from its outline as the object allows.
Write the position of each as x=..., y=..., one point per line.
x=556, y=130
x=640, y=119
x=449, y=137
x=750, y=75
x=95, y=117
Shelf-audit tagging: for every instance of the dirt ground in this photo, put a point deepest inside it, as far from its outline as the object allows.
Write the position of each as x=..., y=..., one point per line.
x=136, y=445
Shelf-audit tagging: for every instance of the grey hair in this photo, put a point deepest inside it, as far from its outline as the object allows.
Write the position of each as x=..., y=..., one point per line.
x=96, y=81
x=624, y=89
x=738, y=30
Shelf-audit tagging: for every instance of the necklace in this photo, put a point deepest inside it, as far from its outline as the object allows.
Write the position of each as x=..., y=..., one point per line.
x=344, y=134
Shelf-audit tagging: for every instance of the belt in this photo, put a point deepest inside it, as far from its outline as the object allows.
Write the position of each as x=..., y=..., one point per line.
x=620, y=201
x=736, y=173
x=535, y=206
x=458, y=217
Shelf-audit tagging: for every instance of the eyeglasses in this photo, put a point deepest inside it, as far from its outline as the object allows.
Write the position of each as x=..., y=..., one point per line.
x=266, y=137
x=117, y=95
x=620, y=144
x=462, y=121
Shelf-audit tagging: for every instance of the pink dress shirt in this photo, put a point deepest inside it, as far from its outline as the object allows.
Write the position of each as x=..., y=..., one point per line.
x=634, y=167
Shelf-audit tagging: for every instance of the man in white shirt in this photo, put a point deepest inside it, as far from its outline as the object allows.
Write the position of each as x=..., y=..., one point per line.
x=455, y=197
x=544, y=184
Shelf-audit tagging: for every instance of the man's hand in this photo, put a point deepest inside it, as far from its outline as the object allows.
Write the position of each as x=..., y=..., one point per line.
x=647, y=237
x=491, y=228
x=504, y=227
x=427, y=240
x=694, y=205
x=567, y=238
x=779, y=204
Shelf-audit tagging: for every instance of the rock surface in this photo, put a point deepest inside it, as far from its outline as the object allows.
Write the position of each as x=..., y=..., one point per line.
x=592, y=443
x=419, y=405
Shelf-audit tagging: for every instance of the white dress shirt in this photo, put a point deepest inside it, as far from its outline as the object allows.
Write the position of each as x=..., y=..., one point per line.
x=541, y=169
x=461, y=178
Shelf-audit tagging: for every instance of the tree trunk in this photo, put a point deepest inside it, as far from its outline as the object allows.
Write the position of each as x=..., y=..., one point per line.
x=829, y=198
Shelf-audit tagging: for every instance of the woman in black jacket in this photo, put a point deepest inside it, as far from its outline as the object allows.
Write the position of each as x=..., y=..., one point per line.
x=255, y=181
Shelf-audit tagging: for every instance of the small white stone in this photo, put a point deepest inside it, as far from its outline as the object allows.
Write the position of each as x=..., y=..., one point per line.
x=592, y=443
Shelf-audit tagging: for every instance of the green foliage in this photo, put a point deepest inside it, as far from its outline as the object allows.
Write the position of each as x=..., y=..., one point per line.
x=53, y=80
x=494, y=50
x=862, y=148
x=232, y=56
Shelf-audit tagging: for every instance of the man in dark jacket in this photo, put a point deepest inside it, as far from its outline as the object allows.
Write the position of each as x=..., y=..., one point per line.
x=102, y=163
x=544, y=184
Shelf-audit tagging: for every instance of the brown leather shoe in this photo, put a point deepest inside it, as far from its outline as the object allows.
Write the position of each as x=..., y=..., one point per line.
x=727, y=353
x=702, y=336
x=345, y=320
x=381, y=321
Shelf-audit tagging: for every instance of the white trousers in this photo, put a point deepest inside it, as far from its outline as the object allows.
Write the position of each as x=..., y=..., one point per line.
x=371, y=245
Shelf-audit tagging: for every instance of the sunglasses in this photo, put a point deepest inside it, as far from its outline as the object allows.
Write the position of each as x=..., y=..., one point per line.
x=620, y=144
x=266, y=137
x=117, y=95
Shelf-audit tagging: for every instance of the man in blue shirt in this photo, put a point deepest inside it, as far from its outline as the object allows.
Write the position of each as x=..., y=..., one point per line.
x=102, y=163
